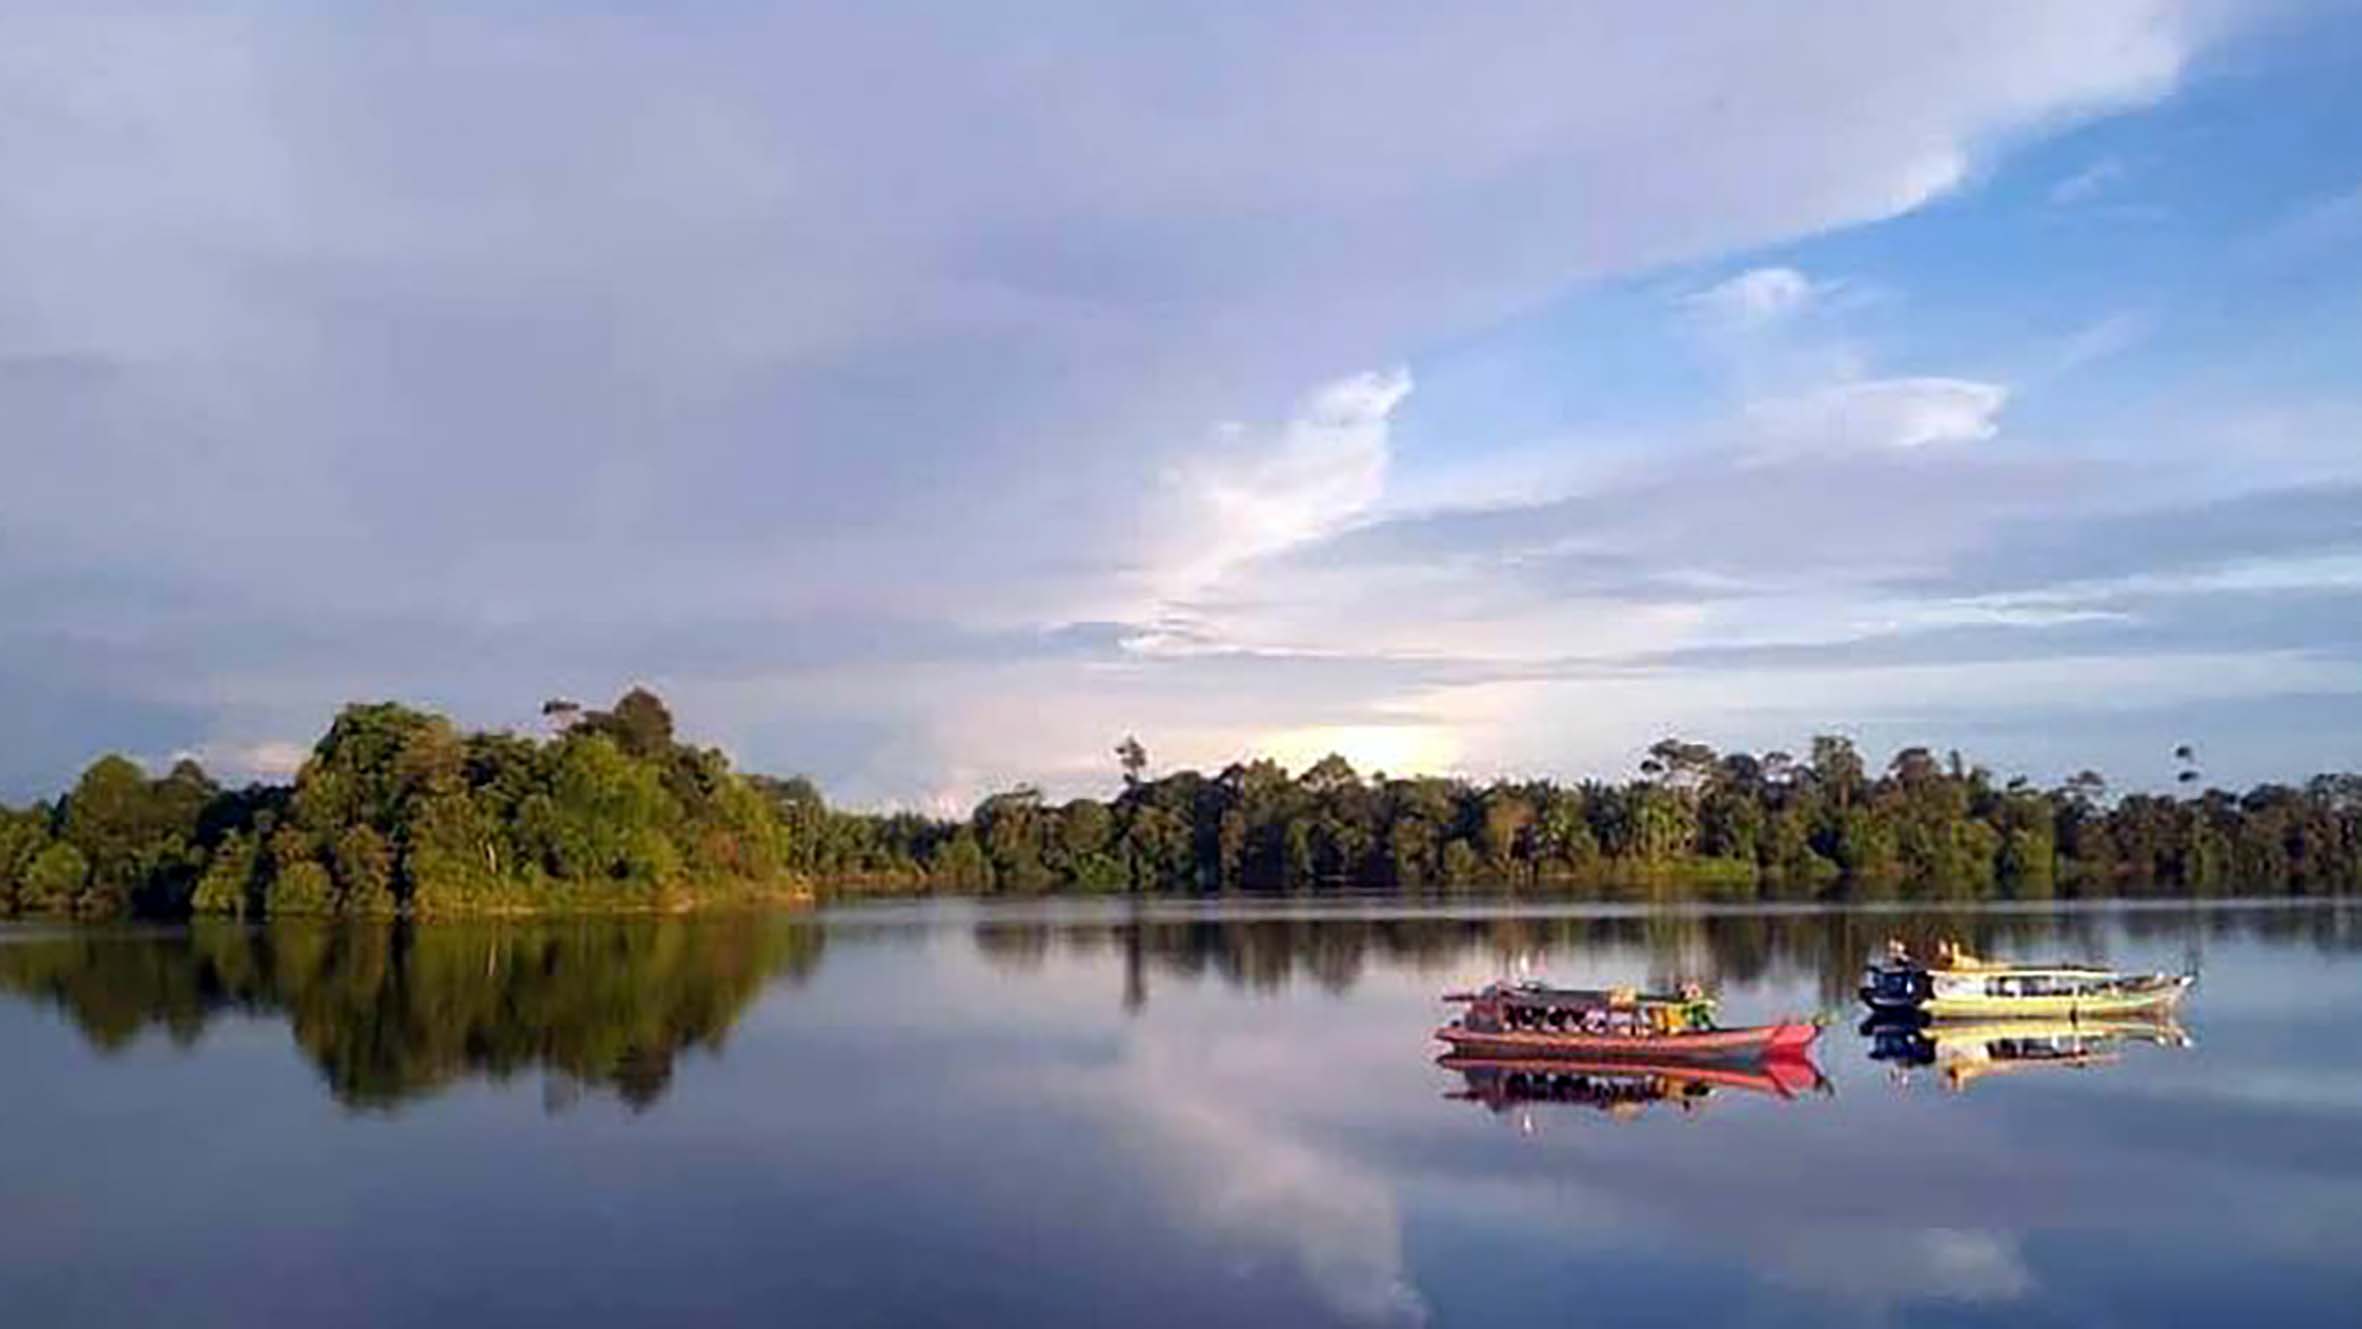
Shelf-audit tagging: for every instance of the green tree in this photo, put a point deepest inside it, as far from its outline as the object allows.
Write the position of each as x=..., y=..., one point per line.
x=1837, y=769
x=364, y=872
x=640, y=725
x=53, y=882
x=962, y=865
x=1508, y=824
x=23, y=835
x=299, y=888
x=228, y=884
x=452, y=857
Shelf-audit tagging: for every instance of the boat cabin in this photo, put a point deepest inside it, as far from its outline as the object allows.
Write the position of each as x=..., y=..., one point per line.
x=1621, y=1012
x=2026, y=983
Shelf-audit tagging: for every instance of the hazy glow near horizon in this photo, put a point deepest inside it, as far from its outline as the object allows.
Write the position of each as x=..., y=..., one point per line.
x=1403, y=749
x=923, y=398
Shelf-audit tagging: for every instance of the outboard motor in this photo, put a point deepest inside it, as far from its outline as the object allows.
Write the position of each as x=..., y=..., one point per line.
x=1899, y=983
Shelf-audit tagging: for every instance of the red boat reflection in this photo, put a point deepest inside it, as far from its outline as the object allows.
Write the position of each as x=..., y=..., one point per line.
x=1624, y=1087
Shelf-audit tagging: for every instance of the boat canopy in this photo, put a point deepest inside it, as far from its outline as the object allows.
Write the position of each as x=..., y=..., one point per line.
x=1956, y=958
x=1581, y=999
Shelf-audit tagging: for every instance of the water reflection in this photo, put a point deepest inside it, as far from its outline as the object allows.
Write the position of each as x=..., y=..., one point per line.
x=1332, y=949
x=390, y=1012
x=1623, y=1089
x=1074, y=1114
x=1962, y=1053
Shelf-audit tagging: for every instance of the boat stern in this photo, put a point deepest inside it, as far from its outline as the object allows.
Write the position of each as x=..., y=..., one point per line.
x=1896, y=987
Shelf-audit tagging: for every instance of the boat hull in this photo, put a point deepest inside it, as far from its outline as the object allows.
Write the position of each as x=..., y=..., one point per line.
x=2160, y=996
x=1788, y=1036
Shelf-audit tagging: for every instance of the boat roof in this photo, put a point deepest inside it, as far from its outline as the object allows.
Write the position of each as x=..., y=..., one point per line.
x=1974, y=966
x=1952, y=957
x=1535, y=994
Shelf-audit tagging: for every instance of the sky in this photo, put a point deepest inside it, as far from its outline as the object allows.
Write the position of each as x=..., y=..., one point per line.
x=924, y=395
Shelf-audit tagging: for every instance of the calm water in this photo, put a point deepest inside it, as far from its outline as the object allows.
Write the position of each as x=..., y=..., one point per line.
x=1091, y=1116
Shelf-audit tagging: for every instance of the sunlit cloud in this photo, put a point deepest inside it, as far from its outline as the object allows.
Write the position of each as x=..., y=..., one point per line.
x=1250, y=494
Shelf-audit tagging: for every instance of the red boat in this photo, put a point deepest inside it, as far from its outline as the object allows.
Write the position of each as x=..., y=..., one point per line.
x=1528, y=1020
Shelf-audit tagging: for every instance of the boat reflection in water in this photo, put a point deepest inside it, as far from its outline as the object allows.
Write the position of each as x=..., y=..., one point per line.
x=1622, y=1087
x=1963, y=1052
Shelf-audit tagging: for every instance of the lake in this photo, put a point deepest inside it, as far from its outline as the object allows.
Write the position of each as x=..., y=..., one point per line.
x=1095, y=1113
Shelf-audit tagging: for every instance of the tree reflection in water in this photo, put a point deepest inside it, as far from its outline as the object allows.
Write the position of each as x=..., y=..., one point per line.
x=390, y=1012
x=1267, y=950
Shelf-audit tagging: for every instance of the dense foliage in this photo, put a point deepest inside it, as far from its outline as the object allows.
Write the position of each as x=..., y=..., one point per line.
x=398, y=812
x=1734, y=826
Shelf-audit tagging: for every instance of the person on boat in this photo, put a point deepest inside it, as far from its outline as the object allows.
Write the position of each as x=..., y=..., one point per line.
x=1697, y=1009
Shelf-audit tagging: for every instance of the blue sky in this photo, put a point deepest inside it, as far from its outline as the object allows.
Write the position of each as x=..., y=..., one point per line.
x=923, y=396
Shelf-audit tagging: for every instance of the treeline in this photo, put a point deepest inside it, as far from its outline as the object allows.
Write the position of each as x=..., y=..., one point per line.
x=1726, y=826
x=398, y=812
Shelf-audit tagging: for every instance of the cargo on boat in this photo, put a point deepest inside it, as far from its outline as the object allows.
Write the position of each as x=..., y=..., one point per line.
x=1959, y=984
x=1529, y=1020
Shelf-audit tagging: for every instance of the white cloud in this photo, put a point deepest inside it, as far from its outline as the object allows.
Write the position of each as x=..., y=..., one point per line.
x=1755, y=297
x=1895, y=1268
x=2102, y=338
x=1881, y=414
x=2088, y=183
x=1257, y=494
x=270, y=759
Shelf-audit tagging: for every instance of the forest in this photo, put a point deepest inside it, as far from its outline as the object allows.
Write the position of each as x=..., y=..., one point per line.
x=397, y=812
